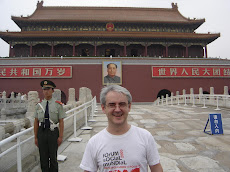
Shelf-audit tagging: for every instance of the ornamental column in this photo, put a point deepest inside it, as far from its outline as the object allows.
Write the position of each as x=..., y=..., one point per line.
x=206, y=51
x=10, y=51
x=166, y=51
x=186, y=52
x=125, y=50
x=74, y=49
x=52, y=50
x=31, y=50
x=95, y=49
x=146, y=50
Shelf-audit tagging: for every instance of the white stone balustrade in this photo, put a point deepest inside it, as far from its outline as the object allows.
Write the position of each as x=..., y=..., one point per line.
x=212, y=99
x=15, y=106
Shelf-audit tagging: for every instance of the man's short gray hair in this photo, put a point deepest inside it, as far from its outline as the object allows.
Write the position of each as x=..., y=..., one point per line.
x=115, y=88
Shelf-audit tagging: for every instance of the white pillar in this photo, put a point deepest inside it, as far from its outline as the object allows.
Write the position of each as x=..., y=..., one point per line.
x=82, y=94
x=191, y=95
x=200, y=94
x=184, y=95
x=166, y=100
x=212, y=94
x=162, y=100
x=172, y=98
x=32, y=101
x=178, y=97
x=57, y=94
x=72, y=96
x=225, y=93
x=225, y=90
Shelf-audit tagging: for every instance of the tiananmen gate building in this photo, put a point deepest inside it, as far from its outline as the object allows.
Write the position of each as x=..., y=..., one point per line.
x=157, y=50
x=105, y=31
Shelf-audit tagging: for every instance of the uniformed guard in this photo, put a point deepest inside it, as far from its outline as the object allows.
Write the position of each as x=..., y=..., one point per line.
x=48, y=137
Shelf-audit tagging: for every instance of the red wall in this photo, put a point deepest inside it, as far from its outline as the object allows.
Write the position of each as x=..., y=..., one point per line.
x=136, y=78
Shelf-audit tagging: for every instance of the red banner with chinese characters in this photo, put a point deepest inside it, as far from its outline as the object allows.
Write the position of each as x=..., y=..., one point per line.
x=191, y=71
x=35, y=71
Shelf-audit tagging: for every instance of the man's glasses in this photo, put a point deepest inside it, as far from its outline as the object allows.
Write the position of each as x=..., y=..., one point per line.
x=114, y=105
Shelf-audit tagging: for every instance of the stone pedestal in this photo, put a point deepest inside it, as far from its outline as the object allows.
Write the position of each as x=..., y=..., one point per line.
x=85, y=94
x=32, y=101
x=226, y=90
x=200, y=94
x=72, y=96
x=191, y=95
x=211, y=93
x=57, y=94
x=184, y=95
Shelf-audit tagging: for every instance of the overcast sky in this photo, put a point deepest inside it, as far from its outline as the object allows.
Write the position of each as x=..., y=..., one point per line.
x=216, y=14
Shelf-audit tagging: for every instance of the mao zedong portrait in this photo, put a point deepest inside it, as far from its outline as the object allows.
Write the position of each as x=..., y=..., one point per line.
x=111, y=76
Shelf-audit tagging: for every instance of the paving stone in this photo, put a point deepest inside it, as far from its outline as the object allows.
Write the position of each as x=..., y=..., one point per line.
x=133, y=123
x=186, y=147
x=98, y=129
x=215, y=143
x=136, y=117
x=179, y=126
x=148, y=121
x=169, y=165
x=135, y=113
x=101, y=118
x=164, y=133
x=195, y=133
x=100, y=124
x=202, y=163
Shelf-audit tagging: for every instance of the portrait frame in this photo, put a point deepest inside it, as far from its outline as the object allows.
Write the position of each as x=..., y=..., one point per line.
x=105, y=72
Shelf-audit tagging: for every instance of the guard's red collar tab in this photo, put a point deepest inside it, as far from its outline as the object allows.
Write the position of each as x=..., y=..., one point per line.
x=39, y=102
x=59, y=102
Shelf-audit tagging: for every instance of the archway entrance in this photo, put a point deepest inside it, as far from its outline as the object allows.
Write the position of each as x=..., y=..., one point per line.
x=163, y=93
x=63, y=97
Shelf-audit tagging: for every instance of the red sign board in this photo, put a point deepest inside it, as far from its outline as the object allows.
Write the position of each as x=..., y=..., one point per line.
x=35, y=71
x=191, y=71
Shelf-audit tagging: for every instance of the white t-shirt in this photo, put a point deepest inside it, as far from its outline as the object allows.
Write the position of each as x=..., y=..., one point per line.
x=130, y=152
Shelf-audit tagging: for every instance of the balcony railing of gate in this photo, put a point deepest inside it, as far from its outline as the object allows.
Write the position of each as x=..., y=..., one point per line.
x=204, y=100
x=19, y=150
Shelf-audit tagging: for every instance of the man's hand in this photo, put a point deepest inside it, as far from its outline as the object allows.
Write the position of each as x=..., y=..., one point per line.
x=59, y=141
x=61, y=129
x=36, y=141
x=36, y=122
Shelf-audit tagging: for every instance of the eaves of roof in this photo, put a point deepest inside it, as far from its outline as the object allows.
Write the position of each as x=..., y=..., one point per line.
x=106, y=34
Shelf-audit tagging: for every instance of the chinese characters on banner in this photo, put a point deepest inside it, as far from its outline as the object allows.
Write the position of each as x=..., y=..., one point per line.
x=191, y=71
x=35, y=71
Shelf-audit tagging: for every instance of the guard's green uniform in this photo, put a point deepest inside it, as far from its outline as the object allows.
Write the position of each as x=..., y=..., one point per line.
x=47, y=139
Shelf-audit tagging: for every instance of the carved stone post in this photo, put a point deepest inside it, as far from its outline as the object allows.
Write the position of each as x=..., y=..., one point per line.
x=191, y=95
x=3, y=110
x=166, y=100
x=225, y=93
x=71, y=99
x=171, y=98
x=32, y=101
x=82, y=94
x=184, y=95
x=212, y=94
x=57, y=94
x=225, y=90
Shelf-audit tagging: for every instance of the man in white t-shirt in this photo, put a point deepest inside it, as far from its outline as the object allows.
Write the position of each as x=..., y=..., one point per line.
x=120, y=147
